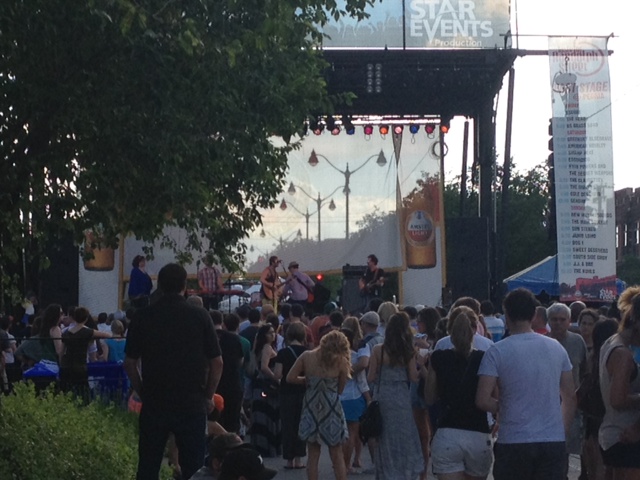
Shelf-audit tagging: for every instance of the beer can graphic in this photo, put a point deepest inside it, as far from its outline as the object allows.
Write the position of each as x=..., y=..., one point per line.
x=419, y=234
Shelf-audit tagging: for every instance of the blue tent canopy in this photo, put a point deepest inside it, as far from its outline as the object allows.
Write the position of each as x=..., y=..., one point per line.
x=543, y=276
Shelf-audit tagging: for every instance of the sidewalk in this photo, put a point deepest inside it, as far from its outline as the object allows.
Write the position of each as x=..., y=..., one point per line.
x=326, y=472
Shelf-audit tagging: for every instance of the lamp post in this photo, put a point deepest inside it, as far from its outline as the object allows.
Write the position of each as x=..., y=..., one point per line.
x=306, y=215
x=319, y=202
x=313, y=161
x=260, y=251
x=280, y=240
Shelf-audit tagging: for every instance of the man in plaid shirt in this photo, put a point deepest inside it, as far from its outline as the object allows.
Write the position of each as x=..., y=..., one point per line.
x=210, y=281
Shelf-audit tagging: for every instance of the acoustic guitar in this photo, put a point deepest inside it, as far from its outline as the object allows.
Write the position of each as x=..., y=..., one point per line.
x=275, y=292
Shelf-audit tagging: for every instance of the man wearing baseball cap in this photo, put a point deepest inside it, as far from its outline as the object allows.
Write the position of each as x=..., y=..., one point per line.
x=245, y=463
x=369, y=323
x=299, y=286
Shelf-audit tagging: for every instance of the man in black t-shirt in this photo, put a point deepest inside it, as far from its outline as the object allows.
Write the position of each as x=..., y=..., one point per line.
x=254, y=325
x=181, y=365
x=371, y=282
x=231, y=381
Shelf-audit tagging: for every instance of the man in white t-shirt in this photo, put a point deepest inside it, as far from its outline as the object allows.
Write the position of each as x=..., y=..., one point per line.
x=536, y=396
x=495, y=325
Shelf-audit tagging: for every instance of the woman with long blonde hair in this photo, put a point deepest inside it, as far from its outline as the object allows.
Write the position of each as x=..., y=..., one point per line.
x=325, y=371
x=619, y=434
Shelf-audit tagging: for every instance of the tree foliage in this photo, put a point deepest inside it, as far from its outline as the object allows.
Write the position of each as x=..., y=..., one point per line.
x=628, y=270
x=129, y=116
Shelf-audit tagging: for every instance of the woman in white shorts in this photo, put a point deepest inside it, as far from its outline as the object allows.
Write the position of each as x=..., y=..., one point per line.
x=461, y=447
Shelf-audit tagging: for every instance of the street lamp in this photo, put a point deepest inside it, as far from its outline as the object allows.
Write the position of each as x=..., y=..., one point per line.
x=306, y=215
x=319, y=202
x=280, y=240
x=260, y=251
x=314, y=160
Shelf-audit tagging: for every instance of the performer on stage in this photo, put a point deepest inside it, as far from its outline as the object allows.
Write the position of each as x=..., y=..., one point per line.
x=299, y=286
x=371, y=282
x=210, y=282
x=140, y=283
x=271, y=285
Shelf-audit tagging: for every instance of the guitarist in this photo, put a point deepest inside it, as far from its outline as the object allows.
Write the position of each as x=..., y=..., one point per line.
x=271, y=285
x=299, y=286
x=371, y=282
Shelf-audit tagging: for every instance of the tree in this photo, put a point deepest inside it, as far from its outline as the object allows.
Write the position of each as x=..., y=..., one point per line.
x=130, y=116
x=527, y=236
x=629, y=270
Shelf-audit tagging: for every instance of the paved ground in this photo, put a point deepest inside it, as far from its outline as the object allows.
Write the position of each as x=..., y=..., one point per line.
x=326, y=471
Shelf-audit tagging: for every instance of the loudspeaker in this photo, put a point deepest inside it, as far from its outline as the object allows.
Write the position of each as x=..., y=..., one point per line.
x=350, y=299
x=468, y=257
x=353, y=271
x=321, y=296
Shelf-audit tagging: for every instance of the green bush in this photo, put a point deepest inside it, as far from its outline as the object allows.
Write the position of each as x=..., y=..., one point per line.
x=52, y=436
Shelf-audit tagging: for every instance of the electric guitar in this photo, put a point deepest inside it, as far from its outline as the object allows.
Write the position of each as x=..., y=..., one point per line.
x=367, y=288
x=310, y=294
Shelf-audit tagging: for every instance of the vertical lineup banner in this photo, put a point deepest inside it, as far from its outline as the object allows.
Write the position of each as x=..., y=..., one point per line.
x=583, y=164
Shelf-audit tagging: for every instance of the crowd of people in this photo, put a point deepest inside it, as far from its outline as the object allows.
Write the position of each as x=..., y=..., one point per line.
x=465, y=390
x=70, y=339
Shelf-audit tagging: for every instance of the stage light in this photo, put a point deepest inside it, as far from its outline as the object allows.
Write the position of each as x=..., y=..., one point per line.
x=384, y=129
x=316, y=126
x=429, y=128
x=397, y=129
x=332, y=126
x=444, y=127
x=368, y=129
x=349, y=128
x=319, y=277
x=413, y=128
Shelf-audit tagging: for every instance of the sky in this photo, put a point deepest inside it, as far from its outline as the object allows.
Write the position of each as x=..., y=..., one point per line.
x=534, y=20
